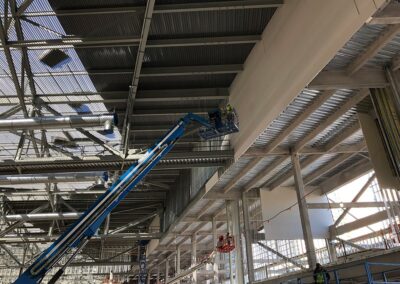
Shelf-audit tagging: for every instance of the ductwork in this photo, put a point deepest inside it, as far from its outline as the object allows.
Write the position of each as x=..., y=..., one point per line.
x=14, y=180
x=40, y=238
x=43, y=216
x=67, y=216
x=58, y=122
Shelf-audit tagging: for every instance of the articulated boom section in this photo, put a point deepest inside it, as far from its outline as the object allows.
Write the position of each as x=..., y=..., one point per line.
x=87, y=225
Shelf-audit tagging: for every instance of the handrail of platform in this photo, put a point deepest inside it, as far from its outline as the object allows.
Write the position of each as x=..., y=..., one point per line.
x=368, y=273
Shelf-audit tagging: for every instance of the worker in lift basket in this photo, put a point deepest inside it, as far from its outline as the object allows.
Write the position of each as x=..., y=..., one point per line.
x=321, y=276
x=220, y=242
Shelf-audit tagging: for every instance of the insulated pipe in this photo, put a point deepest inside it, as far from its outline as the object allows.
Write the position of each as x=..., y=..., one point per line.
x=57, y=122
x=43, y=216
x=14, y=180
x=42, y=238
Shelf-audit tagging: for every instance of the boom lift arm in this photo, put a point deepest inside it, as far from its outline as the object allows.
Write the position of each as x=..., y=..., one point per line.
x=79, y=233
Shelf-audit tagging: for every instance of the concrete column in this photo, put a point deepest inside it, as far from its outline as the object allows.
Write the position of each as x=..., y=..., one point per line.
x=235, y=230
x=248, y=238
x=376, y=150
x=305, y=219
x=166, y=270
x=394, y=85
x=194, y=256
x=178, y=262
x=215, y=240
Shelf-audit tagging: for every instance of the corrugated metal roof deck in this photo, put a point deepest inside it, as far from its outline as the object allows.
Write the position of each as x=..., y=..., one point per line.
x=63, y=81
x=189, y=25
x=355, y=46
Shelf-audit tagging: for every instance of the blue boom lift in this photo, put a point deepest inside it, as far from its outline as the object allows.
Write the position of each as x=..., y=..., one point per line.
x=79, y=233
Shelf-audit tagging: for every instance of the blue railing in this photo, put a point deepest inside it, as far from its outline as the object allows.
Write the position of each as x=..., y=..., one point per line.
x=372, y=273
x=384, y=274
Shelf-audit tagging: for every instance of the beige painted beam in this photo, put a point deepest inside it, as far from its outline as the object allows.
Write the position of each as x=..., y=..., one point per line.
x=258, y=178
x=256, y=152
x=346, y=205
x=390, y=15
x=328, y=80
x=292, y=50
x=353, y=101
x=355, y=199
x=330, y=147
x=329, y=166
x=395, y=63
x=387, y=35
x=270, y=148
x=317, y=103
x=360, y=223
x=345, y=176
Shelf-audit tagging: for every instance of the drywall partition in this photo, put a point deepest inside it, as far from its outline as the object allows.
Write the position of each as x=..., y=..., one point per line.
x=282, y=219
x=302, y=37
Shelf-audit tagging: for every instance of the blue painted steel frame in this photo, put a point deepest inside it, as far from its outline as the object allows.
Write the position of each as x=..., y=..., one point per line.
x=88, y=224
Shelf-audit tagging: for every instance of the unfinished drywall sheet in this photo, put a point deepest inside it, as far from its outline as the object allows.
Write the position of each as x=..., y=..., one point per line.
x=287, y=225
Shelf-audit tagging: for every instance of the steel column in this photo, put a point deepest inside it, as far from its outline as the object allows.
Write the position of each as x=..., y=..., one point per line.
x=194, y=256
x=305, y=219
x=248, y=238
x=215, y=240
x=166, y=270
x=234, y=227
x=331, y=250
x=158, y=274
x=178, y=262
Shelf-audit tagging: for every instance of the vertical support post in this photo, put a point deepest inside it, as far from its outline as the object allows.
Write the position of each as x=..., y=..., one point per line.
x=23, y=259
x=337, y=279
x=107, y=224
x=384, y=278
x=215, y=240
x=158, y=274
x=331, y=250
x=148, y=277
x=166, y=270
x=194, y=256
x=178, y=262
x=304, y=217
x=142, y=262
x=233, y=215
x=175, y=265
x=229, y=227
x=248, y=238
x=368, y=272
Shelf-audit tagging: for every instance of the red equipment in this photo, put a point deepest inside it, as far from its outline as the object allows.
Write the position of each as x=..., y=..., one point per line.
x=225, y=244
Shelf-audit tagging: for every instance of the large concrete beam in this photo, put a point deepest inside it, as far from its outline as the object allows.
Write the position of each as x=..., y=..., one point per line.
x=295, y=46
x=377, y=152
